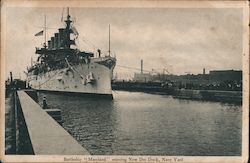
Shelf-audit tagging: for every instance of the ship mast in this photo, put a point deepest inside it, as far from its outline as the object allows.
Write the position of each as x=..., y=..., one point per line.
x=109, y=39
x=45, y=32
x=67, y=30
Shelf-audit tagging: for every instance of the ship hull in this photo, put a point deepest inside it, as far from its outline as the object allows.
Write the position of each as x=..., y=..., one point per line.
x=93, y=79
x=78, y=94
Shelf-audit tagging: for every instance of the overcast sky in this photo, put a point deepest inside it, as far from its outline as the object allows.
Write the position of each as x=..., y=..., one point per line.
x=180, y=40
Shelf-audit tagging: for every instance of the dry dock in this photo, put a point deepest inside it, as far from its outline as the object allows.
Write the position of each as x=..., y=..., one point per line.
x=189, y=94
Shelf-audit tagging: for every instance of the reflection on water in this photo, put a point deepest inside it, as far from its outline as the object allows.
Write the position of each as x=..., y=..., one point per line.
x=145, y=124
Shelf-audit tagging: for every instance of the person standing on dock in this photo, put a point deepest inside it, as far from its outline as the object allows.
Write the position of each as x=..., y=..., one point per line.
x=45, y=106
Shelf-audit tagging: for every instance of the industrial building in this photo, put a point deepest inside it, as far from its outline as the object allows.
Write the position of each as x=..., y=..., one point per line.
x=215, y=79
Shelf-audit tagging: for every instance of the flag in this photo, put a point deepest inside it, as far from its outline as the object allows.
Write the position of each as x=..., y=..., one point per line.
x=39, y=33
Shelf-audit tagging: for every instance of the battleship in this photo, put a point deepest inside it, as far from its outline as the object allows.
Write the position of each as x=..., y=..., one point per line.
x=62, y=69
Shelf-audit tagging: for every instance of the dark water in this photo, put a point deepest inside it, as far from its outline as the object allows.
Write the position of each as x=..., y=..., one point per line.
x=10, y=133
x=146, y=124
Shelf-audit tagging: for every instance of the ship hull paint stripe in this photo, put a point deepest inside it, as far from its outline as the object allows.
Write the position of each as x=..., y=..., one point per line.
x=81, y=94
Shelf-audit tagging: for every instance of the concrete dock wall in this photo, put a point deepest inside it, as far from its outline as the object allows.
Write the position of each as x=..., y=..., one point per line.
x=209, y=95
x=23, y=143
x=46, y=135
x=10, y=130
x=157, y=88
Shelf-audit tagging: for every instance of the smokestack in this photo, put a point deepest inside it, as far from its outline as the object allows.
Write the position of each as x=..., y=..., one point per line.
x=52, y=42
x=204, y=71
x=56, y=41
x=141, y=66
x=11, y=78
x=60, y=37
x=49, y=44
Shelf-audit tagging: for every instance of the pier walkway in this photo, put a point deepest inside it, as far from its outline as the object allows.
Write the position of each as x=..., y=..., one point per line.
x=46, y=135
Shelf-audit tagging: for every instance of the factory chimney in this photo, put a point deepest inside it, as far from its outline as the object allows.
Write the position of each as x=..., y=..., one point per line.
x=141, y=66
x=204, y=71
x=11, y=77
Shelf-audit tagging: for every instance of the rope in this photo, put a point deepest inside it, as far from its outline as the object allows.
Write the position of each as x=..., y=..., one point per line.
x=72, y=68
x=132, y=68
x=89, y=43
x=153, y=70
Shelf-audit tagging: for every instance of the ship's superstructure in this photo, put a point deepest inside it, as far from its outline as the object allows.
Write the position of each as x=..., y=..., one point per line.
x=60, y=68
